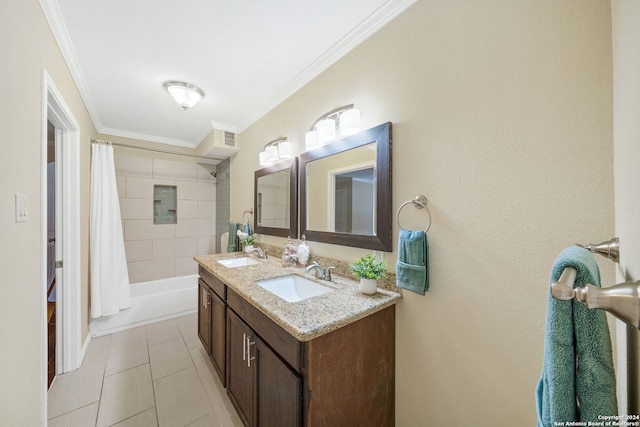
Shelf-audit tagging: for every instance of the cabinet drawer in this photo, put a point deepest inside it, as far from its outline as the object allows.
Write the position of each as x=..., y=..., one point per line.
x=280, y=340
x=214, y=283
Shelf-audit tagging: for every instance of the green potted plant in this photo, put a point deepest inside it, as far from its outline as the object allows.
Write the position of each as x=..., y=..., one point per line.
x=246, y=240
x=368, y=270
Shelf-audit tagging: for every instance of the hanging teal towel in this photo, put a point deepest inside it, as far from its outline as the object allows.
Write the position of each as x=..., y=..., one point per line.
x=233, y=245
x=578, y=365
x=246, y=228
x=412, y=270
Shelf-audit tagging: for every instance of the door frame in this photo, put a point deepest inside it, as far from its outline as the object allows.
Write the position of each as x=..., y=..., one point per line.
x=68, y=309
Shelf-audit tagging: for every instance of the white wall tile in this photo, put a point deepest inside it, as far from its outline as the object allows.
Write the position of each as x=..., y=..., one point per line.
x=204, y=173
x=169, y=169
x=142, y=229
x=195, y=228
x=172, y=248
x=186, y=266
x=192, y=190
x=136, y=208
x=144, y=271
x=206, y=209
x=132, y=165
x=187, y=209
x=138, y=250
x=206, y=245
x=142, y=188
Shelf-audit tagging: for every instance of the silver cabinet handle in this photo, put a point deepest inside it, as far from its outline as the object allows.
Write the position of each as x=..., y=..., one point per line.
x=249, y=344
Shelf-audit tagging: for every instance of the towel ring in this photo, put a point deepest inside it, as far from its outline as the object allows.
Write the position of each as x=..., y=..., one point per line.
x=248, y=211
x=420, y=202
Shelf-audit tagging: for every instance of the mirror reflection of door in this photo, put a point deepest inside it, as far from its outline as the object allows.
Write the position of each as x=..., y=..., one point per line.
x=353, y=202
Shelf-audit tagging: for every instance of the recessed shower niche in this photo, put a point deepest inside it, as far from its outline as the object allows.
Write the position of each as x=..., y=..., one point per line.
x=165, y=206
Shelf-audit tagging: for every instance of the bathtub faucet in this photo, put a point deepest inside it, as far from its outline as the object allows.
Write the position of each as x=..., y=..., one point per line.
x=261, y=253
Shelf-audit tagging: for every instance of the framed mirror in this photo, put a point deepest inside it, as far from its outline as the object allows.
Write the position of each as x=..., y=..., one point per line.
x=275, y=201
x=345, y=191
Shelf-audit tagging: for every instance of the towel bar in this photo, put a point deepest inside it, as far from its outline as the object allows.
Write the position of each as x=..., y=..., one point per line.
x=420, y=202
x=621, y=300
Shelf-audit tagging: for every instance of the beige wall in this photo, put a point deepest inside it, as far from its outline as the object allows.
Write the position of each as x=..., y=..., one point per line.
x=626, y=130
x=27, y=46
x=502, y=117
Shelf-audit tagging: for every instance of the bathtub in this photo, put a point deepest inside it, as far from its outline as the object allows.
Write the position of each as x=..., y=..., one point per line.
x=150, y=302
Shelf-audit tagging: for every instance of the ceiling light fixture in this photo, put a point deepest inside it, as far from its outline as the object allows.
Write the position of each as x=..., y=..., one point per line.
x=323, y=130
x=186, y=95
x=275, y=150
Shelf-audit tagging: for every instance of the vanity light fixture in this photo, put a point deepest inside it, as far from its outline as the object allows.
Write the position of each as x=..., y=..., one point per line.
x=323, y=130
x=275, y=150
x=186, y=95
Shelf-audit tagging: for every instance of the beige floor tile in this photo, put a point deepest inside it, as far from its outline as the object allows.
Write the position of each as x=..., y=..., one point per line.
x=139, y=333
x=169, y=357
x=83, y=417
x=164, y=331
x=209, y=421
x=75, y=389
x=217, y=395
x=98, y=350
x=125, y=394
x=180, y=399
x=146, y=419
x=188, y=326
x=126, y=355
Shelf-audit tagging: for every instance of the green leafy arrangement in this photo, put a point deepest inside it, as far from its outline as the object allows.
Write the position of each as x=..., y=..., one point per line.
x=246, y=239
x=368, y=267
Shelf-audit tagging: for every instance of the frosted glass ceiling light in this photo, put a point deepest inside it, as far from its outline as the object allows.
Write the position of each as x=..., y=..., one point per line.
x=284, y=150
x=311, y=140
x=275, y=150
x=350, y=122
x=326, y=130
x=186, y=95
x=323, y=130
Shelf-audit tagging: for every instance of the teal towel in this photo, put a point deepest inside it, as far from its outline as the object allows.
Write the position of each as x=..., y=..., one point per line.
x=578, y=365
x=246, y=228
x=412, y=271
x=233, y=245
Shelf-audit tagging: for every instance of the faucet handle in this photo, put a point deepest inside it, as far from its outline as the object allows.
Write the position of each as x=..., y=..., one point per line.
x=327, y=272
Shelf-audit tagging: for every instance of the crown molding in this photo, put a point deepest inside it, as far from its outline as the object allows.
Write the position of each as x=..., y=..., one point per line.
x=145, y=137
x=374, y=22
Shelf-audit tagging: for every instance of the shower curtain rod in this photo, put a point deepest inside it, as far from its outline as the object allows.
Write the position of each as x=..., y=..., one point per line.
x=157, y=150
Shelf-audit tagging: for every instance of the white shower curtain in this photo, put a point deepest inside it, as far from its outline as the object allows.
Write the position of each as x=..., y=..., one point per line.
x=109, y=276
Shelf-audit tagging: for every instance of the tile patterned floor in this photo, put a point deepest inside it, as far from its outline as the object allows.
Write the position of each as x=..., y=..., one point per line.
x=154, y=375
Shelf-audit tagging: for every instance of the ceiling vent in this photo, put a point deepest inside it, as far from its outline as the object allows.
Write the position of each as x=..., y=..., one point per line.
x=229, y=139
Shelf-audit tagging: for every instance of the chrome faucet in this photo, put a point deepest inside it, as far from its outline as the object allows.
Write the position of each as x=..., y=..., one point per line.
x=261, y=254
x=320, y=272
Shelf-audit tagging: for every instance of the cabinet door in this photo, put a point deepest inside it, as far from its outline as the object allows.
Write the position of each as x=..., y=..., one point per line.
x=279, y=390
x=241, y=370
x=218, y=335
x=204, y=315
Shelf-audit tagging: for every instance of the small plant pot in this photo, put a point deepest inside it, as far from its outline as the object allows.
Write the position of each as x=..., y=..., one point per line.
x=248, y=248
x=368, y=286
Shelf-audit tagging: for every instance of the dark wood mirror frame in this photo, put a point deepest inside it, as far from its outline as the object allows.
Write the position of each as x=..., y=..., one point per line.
x=292, y=166
x=382, y=240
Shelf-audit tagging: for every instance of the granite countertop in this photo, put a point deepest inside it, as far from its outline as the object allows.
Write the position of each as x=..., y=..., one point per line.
x=306, y=319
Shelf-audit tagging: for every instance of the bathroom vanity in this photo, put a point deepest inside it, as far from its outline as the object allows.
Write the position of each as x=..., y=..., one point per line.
x=323, y=360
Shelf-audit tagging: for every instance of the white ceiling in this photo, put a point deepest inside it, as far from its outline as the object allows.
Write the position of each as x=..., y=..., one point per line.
x=246, y=55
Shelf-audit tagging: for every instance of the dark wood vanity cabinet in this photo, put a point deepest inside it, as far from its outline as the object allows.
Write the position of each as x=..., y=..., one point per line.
x=345, y=377
x=212, y=320
x=264, y=390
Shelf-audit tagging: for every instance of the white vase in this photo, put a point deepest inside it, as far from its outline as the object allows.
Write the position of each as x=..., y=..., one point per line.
x=248, y=248
x=368, y=286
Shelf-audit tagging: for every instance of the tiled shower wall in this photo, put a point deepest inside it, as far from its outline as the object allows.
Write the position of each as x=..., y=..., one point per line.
x=158, y=251
x=223, y=201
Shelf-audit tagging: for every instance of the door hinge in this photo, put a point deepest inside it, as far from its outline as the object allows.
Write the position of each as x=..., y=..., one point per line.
x=58, y=264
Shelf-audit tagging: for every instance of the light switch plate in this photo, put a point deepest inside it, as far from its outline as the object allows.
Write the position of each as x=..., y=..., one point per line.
x=21, y=208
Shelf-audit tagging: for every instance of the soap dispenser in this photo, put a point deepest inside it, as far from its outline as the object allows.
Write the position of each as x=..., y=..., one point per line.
x=289, y=253
x=303, y=251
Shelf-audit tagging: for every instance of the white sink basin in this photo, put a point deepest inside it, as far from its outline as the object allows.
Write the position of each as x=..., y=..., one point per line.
x=294, y=288
x=238, y=262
